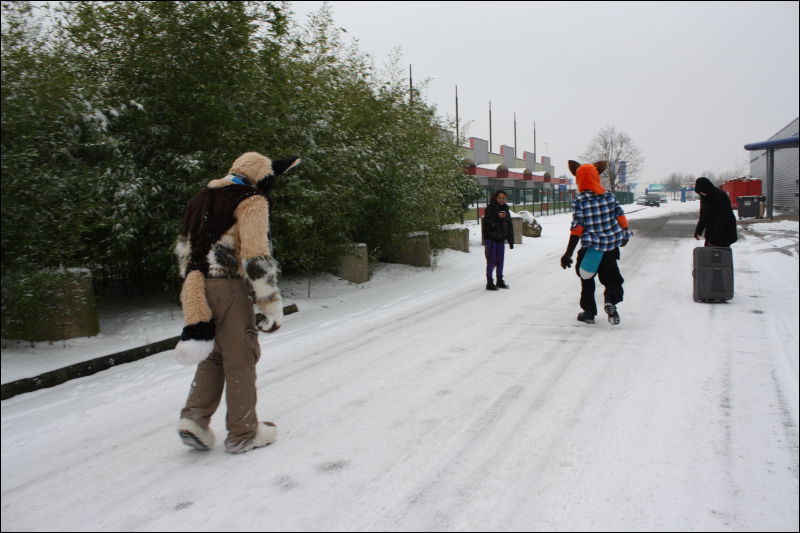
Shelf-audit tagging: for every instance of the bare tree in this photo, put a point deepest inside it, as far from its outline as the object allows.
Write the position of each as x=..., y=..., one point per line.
x=677, y=180
x=712, y=175
x=674, y=182
x=742, y=166
x=730, y=175
x=614, y=146
x=718, y=178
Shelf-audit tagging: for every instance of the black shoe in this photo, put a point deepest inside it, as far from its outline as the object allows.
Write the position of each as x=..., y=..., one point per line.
x=490, y=286
x=501, y=284
x=613, y=316
x=584, y=316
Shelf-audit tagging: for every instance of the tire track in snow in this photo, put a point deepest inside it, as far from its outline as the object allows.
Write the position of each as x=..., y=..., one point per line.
x=489, y=416
x=607, y=390
x=476, y=436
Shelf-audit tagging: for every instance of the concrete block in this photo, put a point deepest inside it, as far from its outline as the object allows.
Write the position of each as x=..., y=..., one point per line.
x=354, y=264
x=415, y=250
x=62, y=307
x=517, y=224
x=457, y=238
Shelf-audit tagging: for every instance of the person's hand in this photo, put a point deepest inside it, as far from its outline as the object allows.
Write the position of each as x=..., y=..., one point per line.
x=265, y=324
x=697, y=237
x=624, y=242
x=566, y=261
x=271, y=316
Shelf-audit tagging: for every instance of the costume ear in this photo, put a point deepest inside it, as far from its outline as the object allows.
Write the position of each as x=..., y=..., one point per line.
x=573, y=166
x=601, y=166
x=282, y=165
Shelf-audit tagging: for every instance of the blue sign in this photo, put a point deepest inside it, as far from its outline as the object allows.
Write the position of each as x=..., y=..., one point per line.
x=621, y=168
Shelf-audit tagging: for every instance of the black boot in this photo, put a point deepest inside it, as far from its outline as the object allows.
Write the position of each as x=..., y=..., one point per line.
x=501, y=284
x=585, y=316
x=613, y=315
x=490, y=286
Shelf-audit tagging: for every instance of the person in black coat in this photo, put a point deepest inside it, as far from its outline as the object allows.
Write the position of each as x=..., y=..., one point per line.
x=716, y=215
x=497, y=229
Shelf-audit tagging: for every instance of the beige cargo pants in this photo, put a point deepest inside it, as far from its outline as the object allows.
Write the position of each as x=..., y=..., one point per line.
x=232, y=365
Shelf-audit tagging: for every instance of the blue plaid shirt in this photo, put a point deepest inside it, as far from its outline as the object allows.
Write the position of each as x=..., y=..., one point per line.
x=597, y=215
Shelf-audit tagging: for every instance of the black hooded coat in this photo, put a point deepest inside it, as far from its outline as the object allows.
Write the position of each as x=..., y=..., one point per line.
x=716, y=215
x=496, y=228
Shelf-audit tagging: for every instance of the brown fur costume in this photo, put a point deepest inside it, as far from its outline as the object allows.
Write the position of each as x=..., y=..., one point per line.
x=226, y=234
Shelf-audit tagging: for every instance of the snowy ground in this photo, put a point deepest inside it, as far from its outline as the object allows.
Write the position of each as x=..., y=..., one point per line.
x=123, y=325
x=426, y=403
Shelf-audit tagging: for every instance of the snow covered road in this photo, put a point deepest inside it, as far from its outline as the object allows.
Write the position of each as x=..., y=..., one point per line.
x=425, y=403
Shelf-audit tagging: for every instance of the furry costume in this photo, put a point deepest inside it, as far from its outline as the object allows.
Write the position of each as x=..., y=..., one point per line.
x=598, y=222
x=226, y=235
x=588, y=176
x=597, y=217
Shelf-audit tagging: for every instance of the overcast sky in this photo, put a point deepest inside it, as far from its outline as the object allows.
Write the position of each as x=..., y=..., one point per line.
x=691, y=82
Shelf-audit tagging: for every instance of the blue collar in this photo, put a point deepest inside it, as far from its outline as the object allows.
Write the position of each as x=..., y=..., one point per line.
x=238, y=180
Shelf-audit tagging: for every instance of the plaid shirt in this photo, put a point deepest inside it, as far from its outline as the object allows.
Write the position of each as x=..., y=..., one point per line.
x=594, y=218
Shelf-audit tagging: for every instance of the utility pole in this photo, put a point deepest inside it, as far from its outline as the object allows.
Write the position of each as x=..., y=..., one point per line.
x=490, y=125
x=515, y=135
x=534, y=146
x=770, y=181
x=456, y=114
x=410, y=86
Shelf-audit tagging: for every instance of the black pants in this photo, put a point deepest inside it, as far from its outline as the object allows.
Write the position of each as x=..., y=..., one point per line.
x=609, y=275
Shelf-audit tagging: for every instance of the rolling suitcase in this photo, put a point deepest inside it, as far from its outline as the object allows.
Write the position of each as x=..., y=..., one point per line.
x=713, y=274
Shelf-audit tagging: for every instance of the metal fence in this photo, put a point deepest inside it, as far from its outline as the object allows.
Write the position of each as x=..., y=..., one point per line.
x=545, y=201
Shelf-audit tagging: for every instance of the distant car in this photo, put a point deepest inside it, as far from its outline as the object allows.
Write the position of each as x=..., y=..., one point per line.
x=663, y=198
x=652, y=200
x=642, y=200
